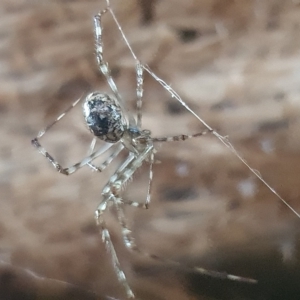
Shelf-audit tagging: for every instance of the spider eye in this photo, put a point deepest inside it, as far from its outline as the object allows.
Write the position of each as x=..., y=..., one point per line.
x=104, y=117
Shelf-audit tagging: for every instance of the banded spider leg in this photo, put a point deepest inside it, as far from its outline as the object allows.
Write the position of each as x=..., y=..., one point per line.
x=73, y=168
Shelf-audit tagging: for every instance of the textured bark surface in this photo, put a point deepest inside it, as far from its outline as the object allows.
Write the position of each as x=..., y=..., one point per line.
x=236, y=63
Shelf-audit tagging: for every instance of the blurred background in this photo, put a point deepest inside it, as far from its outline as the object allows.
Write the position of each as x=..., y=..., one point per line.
x=237, y=64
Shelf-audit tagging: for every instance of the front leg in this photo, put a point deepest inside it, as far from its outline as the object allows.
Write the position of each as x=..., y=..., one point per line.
x=69, y=170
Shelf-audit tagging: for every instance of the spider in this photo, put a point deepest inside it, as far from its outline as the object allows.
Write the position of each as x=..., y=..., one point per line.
x=108, y=120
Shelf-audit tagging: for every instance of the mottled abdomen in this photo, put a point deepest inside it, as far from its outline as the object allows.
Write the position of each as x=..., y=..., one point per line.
x=104, y=117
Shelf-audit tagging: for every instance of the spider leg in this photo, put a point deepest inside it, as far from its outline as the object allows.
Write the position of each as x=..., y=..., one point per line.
x=139, y=92
x=42, y=132
x=181, y=137
x=223, y=139
x=68, y=170
x=139, y=67
x=111, y=192
x=90, y=151
x=103, y=65
x=110, y=246
x=130, y=244
x=104, y=164
x=113, y=188
x=148, y=198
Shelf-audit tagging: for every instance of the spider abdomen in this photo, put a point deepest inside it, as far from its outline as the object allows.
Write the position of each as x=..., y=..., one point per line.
x=104, y=117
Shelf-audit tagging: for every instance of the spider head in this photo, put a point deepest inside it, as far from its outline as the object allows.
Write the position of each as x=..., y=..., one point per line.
x=103, y=116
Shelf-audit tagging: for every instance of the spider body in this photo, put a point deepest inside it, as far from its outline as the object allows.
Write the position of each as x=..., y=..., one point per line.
x=107, y=119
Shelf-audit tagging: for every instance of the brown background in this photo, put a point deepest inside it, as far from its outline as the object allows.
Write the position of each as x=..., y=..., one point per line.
x=236, y=63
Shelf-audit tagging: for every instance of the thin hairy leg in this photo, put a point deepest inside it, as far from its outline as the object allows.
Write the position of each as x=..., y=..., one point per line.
x=181, y=137
x=103, y=65
x=139, y=92
x=105, y=164
x=110, y=193
x=73, y=168
x=110, y=246
x=130, y=244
